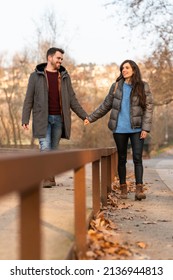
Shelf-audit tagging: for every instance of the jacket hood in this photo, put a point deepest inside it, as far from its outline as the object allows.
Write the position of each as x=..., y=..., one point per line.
x=40, y=68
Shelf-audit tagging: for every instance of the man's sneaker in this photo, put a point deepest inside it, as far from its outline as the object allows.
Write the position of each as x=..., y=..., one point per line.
x=49, y=182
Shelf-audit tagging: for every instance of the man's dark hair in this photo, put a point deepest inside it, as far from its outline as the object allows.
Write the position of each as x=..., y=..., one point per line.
x=52, y=51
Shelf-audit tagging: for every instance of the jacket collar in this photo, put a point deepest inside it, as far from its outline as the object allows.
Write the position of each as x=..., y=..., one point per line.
x=40, y=69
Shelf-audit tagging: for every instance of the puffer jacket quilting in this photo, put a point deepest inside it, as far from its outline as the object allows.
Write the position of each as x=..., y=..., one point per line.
x=139, y=118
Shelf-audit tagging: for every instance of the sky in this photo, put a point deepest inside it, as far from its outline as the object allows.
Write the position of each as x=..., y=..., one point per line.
x=88, y=34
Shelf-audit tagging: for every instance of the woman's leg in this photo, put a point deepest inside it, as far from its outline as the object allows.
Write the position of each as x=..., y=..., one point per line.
x=121, y=140
x=137, y=149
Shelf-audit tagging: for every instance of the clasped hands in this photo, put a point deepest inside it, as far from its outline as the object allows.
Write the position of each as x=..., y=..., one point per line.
x=86, y=121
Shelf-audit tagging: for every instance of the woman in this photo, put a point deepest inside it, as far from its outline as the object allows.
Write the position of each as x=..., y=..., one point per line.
x=131, y=105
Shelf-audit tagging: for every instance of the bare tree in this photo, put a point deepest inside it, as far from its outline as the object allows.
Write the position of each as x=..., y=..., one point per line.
x=12, y=86
x=153, y=18
x=49, y=32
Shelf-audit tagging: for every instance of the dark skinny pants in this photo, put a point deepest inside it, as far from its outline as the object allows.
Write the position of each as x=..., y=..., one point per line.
x=121, y=140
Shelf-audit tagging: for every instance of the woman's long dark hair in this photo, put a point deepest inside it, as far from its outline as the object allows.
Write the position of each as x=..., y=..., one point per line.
x=136, y=82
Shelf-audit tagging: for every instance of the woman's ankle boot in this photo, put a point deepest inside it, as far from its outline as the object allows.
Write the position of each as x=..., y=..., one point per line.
x=139, y=192
x=123, y=188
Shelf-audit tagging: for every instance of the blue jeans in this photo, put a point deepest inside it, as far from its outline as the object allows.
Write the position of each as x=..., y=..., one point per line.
x=121, y=140
x=53, y=135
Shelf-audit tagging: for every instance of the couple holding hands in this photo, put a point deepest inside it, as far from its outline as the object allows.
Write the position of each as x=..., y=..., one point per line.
x=50, y=96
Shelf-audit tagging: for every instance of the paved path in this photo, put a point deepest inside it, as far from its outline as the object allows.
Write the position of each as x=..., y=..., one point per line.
x=149, y=221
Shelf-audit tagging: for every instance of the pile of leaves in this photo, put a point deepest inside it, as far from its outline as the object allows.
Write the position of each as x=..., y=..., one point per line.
x=103, y=239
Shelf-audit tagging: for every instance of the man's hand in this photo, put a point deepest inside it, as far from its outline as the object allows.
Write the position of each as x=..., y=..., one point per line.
x=25, y=126
x=86, y=121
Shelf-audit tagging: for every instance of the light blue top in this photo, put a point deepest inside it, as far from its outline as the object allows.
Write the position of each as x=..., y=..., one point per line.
x=123, y=124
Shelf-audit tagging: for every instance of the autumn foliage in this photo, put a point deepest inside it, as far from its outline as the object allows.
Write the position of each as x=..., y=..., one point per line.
x=103, y=238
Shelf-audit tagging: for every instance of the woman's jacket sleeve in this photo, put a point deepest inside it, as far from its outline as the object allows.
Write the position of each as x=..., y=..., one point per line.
x=104, y=107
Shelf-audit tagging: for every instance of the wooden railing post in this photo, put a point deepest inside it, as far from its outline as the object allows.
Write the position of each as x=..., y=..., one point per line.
x=109, y=177
x=30, y=224
x=80, y=211
x=114, y=159
x=96, y=186
x=104, y=180
x=116, y=163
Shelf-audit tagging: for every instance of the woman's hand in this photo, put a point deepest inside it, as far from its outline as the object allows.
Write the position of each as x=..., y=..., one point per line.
x=86, y=121
x=143, y=134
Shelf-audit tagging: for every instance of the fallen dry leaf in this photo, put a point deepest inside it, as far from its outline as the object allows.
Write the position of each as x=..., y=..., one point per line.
x=149, y=222
x=141, y=245
x=125, y=252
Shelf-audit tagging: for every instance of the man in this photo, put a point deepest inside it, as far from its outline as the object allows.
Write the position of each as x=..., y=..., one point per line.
x=50, y=97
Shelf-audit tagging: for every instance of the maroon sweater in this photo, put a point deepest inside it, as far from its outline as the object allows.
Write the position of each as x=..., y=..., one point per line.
x=54, y=97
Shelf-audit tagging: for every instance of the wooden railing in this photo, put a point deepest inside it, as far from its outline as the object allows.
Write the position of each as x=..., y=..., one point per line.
x=23, y=173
